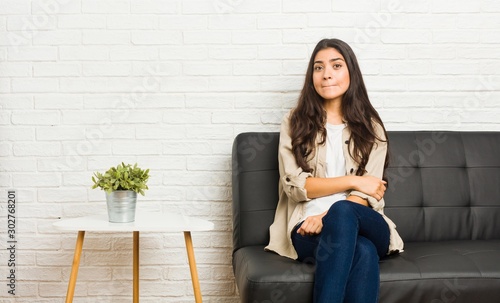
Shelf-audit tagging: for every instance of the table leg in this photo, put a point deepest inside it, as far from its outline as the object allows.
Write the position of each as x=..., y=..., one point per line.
x=74, y=268
x=136, y=267
x=192, y=266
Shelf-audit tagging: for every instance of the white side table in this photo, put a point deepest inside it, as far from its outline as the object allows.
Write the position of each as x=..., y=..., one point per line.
x=144, y=221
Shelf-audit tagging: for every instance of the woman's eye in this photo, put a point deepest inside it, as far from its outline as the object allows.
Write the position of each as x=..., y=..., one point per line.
x=337, y=66
x=318, y=68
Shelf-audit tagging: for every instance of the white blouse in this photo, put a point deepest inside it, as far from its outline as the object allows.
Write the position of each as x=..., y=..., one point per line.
x=335, y=167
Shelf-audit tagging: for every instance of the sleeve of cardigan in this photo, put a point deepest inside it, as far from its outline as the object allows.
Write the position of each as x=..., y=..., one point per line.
x=292, y=177
x=375, y=167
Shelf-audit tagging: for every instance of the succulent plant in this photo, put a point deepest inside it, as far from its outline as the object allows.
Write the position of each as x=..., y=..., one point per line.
x=122, y=177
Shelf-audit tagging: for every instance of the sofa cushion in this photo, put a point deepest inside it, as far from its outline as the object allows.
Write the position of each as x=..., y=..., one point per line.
x=266, y=277
x=449, y=271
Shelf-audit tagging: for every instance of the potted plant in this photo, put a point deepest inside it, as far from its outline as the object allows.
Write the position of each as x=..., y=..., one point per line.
x=122, y=184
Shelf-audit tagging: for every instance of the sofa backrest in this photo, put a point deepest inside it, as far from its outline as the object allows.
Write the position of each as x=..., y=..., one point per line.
x=255, y=187
x=442, y=185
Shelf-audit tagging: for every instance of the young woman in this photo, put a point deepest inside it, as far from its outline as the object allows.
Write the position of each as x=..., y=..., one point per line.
x=332, y=156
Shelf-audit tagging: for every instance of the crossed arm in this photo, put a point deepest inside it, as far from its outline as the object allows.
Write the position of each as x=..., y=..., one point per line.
x=319, y=187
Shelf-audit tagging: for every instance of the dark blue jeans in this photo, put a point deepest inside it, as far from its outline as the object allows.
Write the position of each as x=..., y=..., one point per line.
x=346, y=252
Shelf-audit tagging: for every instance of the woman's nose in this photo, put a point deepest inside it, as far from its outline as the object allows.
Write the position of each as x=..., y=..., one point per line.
x=327, y=74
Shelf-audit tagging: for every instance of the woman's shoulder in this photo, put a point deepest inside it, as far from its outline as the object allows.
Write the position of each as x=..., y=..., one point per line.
x=377, y=125
x=288, y=114
x=379, y=129
x=285, y=121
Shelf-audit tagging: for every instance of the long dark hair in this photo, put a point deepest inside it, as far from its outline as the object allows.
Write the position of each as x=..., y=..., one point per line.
x=308, y=119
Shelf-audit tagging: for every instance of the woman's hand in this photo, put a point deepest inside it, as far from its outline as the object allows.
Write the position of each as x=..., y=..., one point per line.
x=312, y=225
x=371, y=186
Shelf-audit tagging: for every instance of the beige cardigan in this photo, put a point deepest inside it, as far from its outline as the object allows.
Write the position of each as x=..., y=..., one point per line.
x=292, y=193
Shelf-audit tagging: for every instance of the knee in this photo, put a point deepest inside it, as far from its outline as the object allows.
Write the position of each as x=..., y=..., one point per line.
x=366, y=252
x=341, y=208
x=340, y=213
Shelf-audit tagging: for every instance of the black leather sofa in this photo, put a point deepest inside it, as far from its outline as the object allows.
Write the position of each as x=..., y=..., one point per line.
x=443, y=194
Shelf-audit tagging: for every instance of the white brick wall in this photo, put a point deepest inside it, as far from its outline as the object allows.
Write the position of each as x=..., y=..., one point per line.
x=86, y=84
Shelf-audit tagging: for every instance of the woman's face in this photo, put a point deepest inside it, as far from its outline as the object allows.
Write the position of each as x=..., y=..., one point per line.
x=330, y=74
